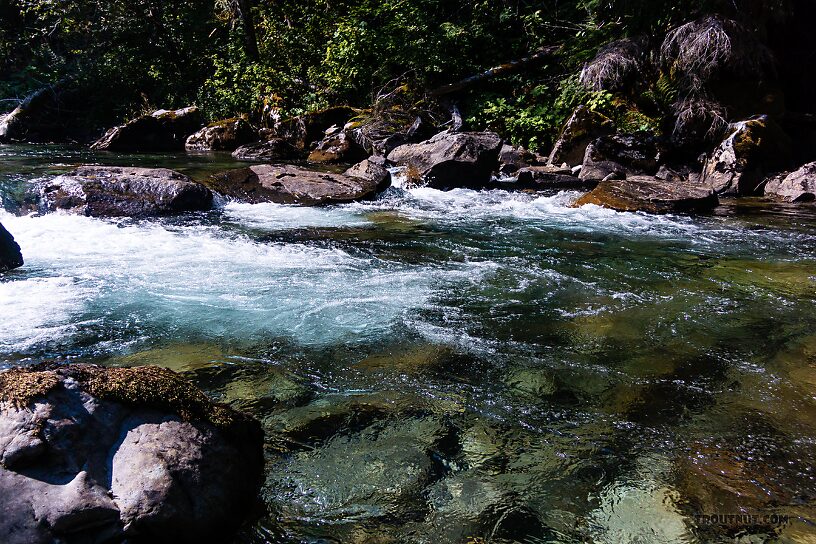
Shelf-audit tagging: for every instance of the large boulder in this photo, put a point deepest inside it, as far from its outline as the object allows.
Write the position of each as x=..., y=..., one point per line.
x=648, y=194
x=112, y=191
x=620, y=155
x=162, y=130
x=450, y=160
x=338, y=146
x=374, y=169
x=10, y=256
x=226, y=135
x=287, y=184
x=738, y=166
x=92, y=454
x=582, y=128
x=800, y=186
x=274, y=149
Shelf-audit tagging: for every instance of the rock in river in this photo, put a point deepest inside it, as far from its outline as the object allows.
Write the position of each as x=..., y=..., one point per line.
x=450, y=160
x=162, y=130
x=226, y=135
x=93, y=454
x=275, y=149
x=10, y=256
x=647, y=194
x=111, y=191
x=799, y=186
x=286, y=184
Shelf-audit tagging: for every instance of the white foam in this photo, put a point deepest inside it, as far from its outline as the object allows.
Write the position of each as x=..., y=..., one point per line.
x=280, y=217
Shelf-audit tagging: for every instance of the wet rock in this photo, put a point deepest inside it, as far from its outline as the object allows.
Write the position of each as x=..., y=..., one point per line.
x=337, y=147
x=647, y=194
x=541, y=178
x=113, y=191
x=620, y=155
x=10, y=256
x=583, y=127
x=800, y=186
x=162, y=130
x=410, y=360
x=373, y=169
x=226, y=135
x=737, y=166
x=450, y=160
x=531, y=383
x=274, y=149
x=286, y=184
x=94, y=454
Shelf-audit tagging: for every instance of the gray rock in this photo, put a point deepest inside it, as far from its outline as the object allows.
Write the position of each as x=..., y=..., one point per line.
x=226, y=135
x=623, y=155
x=372, y=169
x=451, y=160
x=512, y=159
x=800, y=186
x=112, y=191
x=162, y=130
x=274, y=149
x=10, y=256
x=737, y=166
x=582, y=128
x=286, y=184
x=92, y=454
x=548, y=177
x=338, y=147
x=648, y=194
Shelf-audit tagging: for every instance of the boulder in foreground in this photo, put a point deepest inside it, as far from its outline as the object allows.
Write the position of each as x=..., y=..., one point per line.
x=647, y=194
x=162, y=130
x=451, y=160
x=92, y=454
x=10, y=256
x=287, y=184
x=111, y=191
x=800, y=186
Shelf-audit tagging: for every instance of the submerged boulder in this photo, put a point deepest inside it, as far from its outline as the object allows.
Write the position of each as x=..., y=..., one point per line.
x=93, y=454
x=10, y=256
x=450, y=160
x=112, y=191
x=737, y=166
x=648, y=194
x=226, y=135
x=583, y=127
x=800, y=186
x=286, y=184
x=162, y=130
x=337, y=147
x=274, y=149
x=620, y=155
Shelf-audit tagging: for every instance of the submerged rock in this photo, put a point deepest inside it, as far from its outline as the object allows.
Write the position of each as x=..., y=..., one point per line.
x=647, y=194
x=582, y=128
x=10, y=256
x=275, y=149
x=286, y=184
x=800, y=186
x=162, y=130
x=620, y=155
x=451, y=160
x=226, y=135
x=94, y=454
x=737, y=166
x=113, y=191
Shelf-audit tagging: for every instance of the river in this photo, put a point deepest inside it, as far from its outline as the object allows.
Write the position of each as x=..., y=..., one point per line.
x=457, y=366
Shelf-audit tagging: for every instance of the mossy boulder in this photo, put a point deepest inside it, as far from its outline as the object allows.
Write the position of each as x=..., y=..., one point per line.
x=582, y=128
x=94, y=454
x=10, y=255
x=162, y=130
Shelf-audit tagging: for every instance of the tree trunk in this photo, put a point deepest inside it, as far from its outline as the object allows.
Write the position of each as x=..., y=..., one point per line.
x=250, y=36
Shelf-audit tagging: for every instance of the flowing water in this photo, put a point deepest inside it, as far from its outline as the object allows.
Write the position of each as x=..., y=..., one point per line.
x=458, y=367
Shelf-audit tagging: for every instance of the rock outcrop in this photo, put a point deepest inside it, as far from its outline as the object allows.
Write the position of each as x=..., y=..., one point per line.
x=450, y=160
x=274, y=149
x=10, y=255
x=647, y=194
x=583, y=127
x=737, y=167
x=226, y=135
x=92, y=454
x=286, y=184
x=620, y=155
x=162, y=130
x=108, y=191
x=800, y=186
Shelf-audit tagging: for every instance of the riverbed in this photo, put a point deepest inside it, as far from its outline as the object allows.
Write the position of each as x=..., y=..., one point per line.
x=463, y=366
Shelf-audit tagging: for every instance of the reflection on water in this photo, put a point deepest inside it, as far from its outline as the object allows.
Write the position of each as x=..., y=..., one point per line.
x=463, y=366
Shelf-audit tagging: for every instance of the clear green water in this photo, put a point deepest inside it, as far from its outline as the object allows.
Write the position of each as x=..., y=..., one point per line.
x=458, y=367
